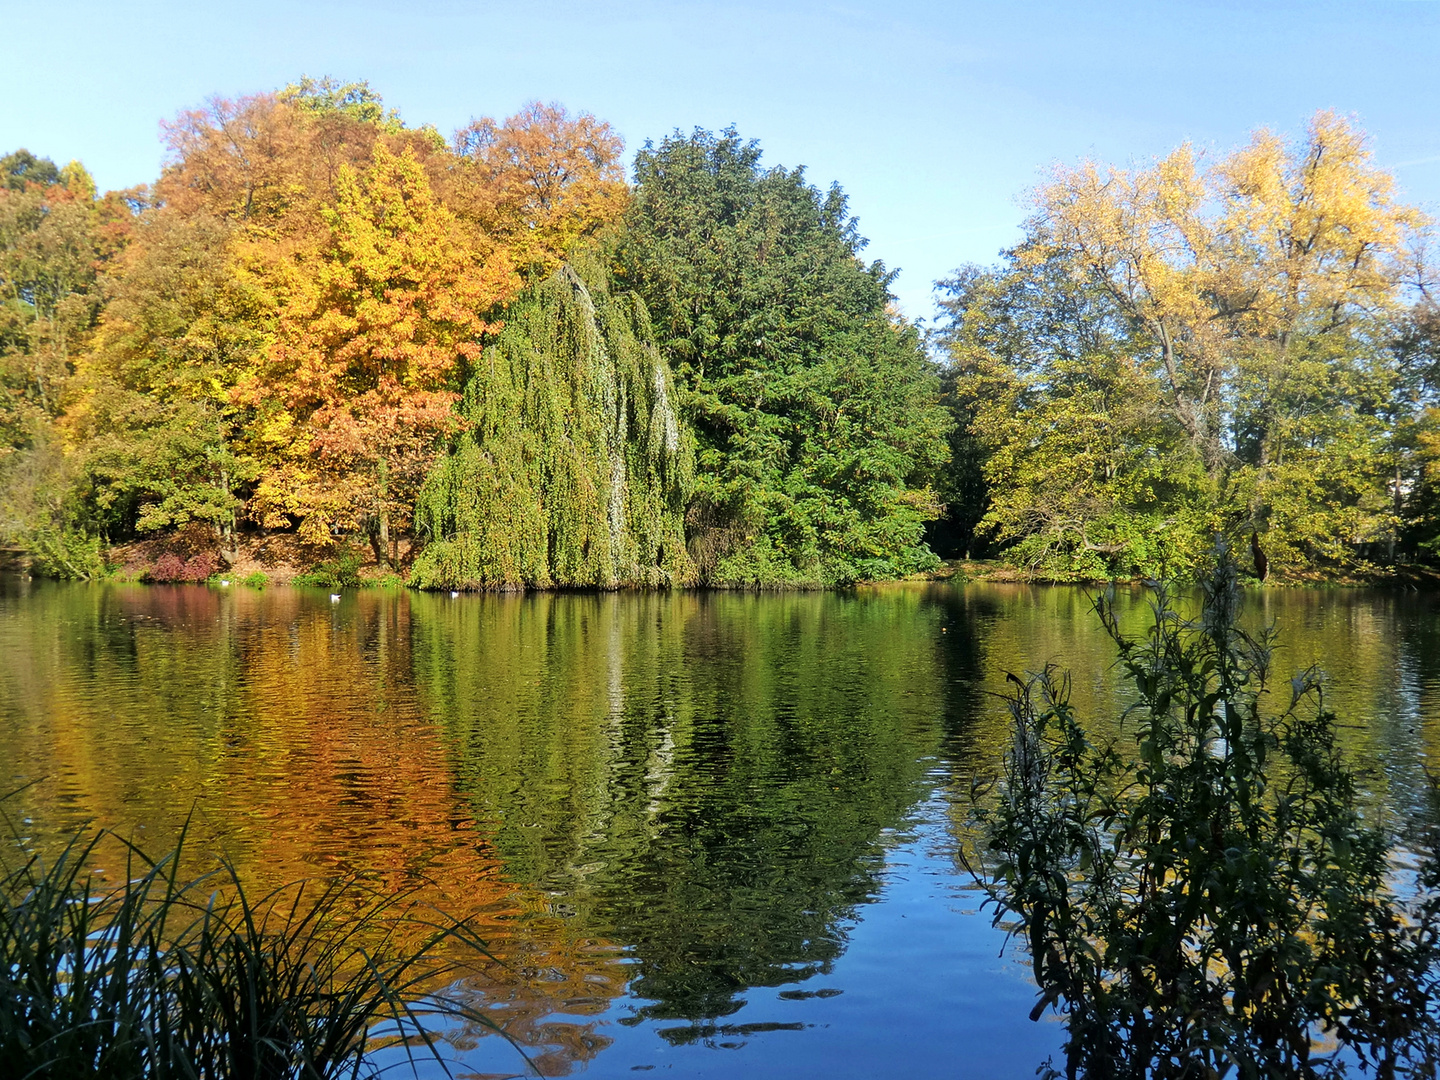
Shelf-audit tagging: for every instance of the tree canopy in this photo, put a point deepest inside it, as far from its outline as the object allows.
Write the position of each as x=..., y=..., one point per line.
x=501, y=363
x=1190, y=348
x=323, y=321
x=815, y=408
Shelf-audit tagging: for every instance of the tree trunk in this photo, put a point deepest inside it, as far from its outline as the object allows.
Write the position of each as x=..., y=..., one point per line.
x=1399, y=512
x=227, y=528
x=382, y=545
x=1262, y=563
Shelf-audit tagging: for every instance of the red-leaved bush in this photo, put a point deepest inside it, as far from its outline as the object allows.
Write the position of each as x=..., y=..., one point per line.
x=170, y=567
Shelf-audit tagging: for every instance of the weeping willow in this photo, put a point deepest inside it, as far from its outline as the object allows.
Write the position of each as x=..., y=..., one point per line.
x=574, y=469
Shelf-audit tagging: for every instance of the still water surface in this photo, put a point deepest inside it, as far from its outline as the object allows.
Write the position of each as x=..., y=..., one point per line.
x=704, y=834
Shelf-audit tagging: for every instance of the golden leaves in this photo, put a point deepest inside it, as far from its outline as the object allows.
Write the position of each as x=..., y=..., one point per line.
x=542, y=180
x=370, y=343
x=1224, y=266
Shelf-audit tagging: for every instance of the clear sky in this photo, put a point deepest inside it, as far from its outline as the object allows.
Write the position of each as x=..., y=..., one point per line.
x=934, y=117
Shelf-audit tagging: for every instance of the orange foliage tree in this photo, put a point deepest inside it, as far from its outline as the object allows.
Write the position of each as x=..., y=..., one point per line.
x=309, y=282
x=541, y=181
x=272, y=161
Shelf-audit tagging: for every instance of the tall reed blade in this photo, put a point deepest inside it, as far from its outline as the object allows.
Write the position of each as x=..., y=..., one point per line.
x=162, y=977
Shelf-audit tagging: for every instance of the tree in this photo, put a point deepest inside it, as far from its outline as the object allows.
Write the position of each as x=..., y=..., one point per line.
x=50, y=248
x=541, y=181
x=272, y=162
x=1255, y=297
x=1415, y=424
x=55, y=237
x=373, y=340
x=21, y=169
x=1085, y=473
x=328, y=97
x=815, y=408
x=153, y=419
x=573, y=468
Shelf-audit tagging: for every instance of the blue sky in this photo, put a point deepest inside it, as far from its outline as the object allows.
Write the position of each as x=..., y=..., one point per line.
x=934, y=117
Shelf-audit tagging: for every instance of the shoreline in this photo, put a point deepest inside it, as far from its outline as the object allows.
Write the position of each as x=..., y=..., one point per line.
x=1415, y=579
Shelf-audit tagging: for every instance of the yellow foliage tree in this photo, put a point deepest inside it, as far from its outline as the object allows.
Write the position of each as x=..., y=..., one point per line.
x=373, y=339
x=1257, y=284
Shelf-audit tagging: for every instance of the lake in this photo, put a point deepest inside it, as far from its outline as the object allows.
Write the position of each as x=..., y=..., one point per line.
x=704, y=834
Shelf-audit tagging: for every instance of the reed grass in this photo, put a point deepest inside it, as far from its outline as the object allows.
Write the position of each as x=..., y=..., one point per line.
x=161, y=977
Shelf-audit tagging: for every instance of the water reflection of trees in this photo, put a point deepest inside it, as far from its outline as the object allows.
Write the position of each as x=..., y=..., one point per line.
x=289, y=727
x=702, y=777
x=685, y=793
x=1380, y=652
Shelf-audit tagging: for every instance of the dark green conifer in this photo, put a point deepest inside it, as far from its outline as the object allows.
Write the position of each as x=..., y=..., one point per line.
x=815, y=409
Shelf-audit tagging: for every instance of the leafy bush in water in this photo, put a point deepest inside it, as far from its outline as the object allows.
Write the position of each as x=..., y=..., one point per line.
x=1214, y=902
x=161, y=978
x=341, y=572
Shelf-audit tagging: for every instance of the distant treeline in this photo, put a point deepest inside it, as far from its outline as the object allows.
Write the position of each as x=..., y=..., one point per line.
x=497, y=362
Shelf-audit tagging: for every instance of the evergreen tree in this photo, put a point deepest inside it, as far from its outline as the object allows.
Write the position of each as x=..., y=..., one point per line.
x=815, y=408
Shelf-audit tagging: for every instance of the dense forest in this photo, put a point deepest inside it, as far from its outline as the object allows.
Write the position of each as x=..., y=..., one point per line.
x=323, y=337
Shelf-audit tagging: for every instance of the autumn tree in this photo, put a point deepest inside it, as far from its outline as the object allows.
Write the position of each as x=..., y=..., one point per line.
x=541, y=181
x=1254, y=296
x=55, y=236
x=163, y=433
x=372, y=343
x=154, y=420
x=1070, y=457
x=272, y=161
x=50, y=247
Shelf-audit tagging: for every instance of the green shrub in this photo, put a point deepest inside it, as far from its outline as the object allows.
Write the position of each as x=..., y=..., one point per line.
x=160, y=977
x=341, y=572
x=68, y=554
x=1212, y=900
x=258, y=580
